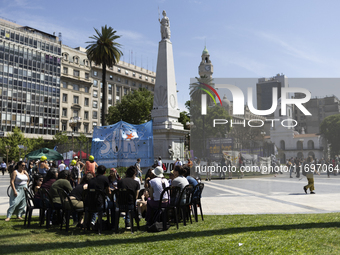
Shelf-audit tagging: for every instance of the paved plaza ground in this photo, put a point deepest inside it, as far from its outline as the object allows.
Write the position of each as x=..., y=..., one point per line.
x=260, y=195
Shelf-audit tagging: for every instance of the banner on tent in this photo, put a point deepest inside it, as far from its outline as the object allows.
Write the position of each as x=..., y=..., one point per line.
x=122, y=143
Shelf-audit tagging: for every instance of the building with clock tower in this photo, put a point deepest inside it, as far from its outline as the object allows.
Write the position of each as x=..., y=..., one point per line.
x=205, y=67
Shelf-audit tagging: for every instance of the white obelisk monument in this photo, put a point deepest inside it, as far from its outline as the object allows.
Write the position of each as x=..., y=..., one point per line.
x=169, y=134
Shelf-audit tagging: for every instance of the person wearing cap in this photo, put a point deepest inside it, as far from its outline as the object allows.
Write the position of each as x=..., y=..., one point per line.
x=90, y=166
x=80, y=164
x=75, y=173
x=157, y=184
x=43, y=166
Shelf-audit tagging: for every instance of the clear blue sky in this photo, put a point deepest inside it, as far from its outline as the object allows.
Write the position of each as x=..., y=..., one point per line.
x=245, y=38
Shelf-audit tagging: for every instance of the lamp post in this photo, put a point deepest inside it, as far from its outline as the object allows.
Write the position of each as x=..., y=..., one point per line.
x=7, y=147
x=73, y=123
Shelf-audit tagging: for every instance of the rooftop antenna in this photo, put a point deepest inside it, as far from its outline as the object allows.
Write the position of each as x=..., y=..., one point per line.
x=159, y=15
x=60, y=37
x=132, y=57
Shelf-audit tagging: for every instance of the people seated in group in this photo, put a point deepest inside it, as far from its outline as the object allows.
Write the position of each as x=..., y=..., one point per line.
x=63, y=182
x=157, y=184
x=101, y=183
x=180, y=180
x=76, y=196
x=37, y=182
x=129, y=183
x=113, y=179
x=50, y=178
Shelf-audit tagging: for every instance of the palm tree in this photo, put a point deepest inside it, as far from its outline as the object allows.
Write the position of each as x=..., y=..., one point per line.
x=104, y=50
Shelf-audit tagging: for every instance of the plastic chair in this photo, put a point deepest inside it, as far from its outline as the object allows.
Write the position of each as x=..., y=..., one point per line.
x=123, y=205
x=65, y=198
x=47, y=205
x=172, y=204
x=30, y=206
x=185, y=207
x=94, y=202
x=196, y=200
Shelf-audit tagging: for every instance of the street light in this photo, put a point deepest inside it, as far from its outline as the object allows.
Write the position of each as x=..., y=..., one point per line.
x=7, y=147
x=73, y=123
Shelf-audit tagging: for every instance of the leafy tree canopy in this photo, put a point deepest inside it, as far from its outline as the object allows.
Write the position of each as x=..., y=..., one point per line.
x=330, y=128
x=134, y=108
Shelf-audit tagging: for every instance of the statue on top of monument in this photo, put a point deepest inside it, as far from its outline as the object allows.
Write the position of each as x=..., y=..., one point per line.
x=165, y=26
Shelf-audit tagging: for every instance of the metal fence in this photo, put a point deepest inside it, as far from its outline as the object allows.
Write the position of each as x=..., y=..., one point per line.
x=75, y=148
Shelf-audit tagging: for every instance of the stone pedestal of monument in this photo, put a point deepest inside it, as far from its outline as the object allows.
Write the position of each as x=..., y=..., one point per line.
x=168, y=133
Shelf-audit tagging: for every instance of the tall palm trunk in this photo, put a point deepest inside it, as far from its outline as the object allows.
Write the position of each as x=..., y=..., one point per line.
x=104, y=101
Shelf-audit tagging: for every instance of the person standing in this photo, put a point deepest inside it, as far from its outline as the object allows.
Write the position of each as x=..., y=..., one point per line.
x=223, y=167
x=61, y=166
x=139, y=171
x=178, y=162
x=90, y=166
x=3, y=167
x=309, y=168
x=159, y=162
x=17, y=200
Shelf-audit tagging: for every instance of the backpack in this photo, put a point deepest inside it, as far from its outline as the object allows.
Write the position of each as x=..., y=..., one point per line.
x=74, y=173
x=164, y=167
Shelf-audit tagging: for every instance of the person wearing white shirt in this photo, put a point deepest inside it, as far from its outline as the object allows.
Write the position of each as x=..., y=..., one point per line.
x=178, y=162
x=62, y=166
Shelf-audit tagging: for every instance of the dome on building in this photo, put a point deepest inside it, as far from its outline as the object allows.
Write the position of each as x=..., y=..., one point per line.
x=205, y=51
x=226, y=103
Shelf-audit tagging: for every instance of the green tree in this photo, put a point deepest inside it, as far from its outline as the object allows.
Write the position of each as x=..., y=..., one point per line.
x=330, y=128
x=104, y=51
x=134, y=108
x=60, y=138
x=184, y=119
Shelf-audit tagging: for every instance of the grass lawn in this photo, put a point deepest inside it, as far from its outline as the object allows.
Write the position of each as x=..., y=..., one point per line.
x=228, y=234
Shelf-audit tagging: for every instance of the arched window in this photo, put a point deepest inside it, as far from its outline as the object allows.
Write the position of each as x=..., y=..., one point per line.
x=310, y=145
x=299, y=145
x=282, y=145
x=283, y=158
x=300, y=155
x=311, y=154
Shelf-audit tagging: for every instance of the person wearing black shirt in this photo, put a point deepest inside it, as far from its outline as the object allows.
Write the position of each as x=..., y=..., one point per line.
x=129, y=183
x=101, y=182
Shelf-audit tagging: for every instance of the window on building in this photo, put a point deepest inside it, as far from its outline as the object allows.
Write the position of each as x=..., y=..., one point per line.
x=134, y=74
x=75, y=113
x=95, y=93
x=76, y=99
x=126, y=81
x=95, y=73
x=140, y=76
x=63, y=126
x=126, y=72
x=118, y=91
x=95, y=104
x=64, y=98
x=94, y=114
x=146, y=78
x=299, y=145
x=87, y=90
x=86, y=115
x=75, y=87
x=64, y=84
x=111, y=77
x=86, y=128
x=118, y=79
x=119, y=69
x=76, y=60
x=87, y=76
x=64, y=112
x=94, y=124
x=86, y=101
x=95, y=83
x=65, y=70
x=76, y=73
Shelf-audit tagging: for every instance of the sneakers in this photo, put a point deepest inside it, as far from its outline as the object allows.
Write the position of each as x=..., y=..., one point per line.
x=127, y=226
x=305, y=190
x=312, y=192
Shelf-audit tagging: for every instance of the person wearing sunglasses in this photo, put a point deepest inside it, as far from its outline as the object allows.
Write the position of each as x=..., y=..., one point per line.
x=17, y=200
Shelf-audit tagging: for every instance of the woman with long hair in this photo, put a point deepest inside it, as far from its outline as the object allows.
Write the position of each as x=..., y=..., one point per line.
x=17, y=200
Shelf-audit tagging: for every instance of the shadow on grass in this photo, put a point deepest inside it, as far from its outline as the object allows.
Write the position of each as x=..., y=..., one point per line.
x=158, y=237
